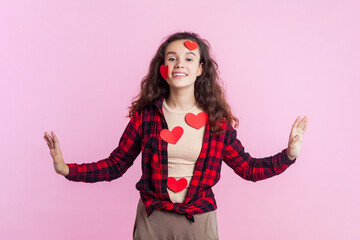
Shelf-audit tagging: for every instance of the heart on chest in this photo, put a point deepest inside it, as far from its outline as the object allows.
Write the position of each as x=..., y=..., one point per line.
x=176, y=185
x=172, y=136
x=196, y=121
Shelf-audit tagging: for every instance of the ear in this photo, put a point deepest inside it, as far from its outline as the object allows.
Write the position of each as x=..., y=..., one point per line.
x=199, y=69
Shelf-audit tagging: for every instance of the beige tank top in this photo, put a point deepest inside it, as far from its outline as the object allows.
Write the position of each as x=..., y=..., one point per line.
x=182, y=156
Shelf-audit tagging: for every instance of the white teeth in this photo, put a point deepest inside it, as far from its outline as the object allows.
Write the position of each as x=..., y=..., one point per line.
x=179, y=74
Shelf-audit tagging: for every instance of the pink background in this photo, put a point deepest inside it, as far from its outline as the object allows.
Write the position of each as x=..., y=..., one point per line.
x=74, y=66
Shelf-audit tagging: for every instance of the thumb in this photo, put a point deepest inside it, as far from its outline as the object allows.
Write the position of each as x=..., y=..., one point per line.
x=294, y=139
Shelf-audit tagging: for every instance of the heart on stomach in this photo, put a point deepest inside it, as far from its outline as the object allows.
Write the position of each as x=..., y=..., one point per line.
x=177, y=185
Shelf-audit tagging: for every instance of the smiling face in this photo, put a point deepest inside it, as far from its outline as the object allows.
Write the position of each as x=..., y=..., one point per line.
x=184, y=65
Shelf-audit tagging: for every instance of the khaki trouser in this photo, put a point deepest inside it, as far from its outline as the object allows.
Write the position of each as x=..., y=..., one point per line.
x=173, y=226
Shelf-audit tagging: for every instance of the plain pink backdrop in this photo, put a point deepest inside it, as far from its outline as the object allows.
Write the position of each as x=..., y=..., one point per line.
x=74, y=67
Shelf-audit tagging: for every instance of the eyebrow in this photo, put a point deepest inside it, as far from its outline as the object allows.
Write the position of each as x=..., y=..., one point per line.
x=186, y=53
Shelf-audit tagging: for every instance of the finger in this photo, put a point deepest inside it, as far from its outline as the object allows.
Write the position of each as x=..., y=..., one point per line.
x=48, y=136
x=296, y=122
x=304, y=127
x=45, y=137
x=56, y=141
x=54, y=136
x=49, y=140
x=294, y=126
x=303, y=122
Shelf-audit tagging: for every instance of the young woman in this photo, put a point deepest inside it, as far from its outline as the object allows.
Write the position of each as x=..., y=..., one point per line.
x=184, y=127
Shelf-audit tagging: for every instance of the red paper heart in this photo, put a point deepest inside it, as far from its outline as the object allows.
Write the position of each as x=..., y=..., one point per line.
x=196, y=121
x=172, y=136
x=177, y=185
x=191, y=45
x=164, y=71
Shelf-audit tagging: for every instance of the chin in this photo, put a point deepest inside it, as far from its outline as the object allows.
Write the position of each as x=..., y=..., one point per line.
x=182, y=85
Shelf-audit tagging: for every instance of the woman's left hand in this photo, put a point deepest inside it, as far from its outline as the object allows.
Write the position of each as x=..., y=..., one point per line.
x=295, y=139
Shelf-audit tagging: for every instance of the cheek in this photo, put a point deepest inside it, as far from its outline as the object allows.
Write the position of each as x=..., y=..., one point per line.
x=168, y=63
x=195, y=69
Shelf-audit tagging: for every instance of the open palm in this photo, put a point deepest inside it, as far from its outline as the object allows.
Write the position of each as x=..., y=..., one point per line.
x=295, y=139
x=55, y=152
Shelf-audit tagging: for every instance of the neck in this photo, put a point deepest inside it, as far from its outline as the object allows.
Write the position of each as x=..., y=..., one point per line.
x=181, y=99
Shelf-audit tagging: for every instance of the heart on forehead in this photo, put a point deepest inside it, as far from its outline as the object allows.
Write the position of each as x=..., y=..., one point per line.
x=196, y=121
x=191, y=45
x=164, y=71
x=172, y=136
x=177, y=185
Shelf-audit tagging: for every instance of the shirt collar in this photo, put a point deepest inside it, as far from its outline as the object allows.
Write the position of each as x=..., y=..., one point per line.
x=158, y=104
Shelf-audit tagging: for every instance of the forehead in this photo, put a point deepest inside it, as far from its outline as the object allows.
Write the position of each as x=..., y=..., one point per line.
x=178, y=47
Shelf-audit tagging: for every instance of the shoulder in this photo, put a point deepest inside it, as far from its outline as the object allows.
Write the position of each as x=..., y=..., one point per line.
x=230, y=132
x=145, y=115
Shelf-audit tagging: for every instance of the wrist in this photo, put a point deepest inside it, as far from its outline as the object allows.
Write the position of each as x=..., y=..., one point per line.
x=290, y=157
x=66, y=170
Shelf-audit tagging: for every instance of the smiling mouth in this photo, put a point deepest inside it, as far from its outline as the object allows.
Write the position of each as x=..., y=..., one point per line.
x=179, y=75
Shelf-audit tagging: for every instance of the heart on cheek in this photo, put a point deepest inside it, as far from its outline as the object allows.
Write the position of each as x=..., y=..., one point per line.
x=172, y=136
x=164, y=71
x=191, y=45
x=196, y=121
x=177, y=185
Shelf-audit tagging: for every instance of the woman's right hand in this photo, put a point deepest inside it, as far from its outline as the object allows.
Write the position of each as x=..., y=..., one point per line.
x=59, y=165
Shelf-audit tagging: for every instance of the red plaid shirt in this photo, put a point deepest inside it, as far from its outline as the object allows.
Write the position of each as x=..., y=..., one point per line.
x=143, y=134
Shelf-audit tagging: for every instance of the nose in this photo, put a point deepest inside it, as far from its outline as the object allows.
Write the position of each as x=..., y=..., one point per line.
x=179, y=64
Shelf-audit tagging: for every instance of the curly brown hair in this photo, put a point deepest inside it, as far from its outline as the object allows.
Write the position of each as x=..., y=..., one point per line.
x=208, y=89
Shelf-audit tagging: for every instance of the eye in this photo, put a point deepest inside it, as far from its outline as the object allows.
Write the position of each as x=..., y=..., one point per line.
x=172, y=59
x=189, y=59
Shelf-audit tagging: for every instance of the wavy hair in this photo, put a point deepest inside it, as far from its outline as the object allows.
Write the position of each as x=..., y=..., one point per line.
x=208, y=89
